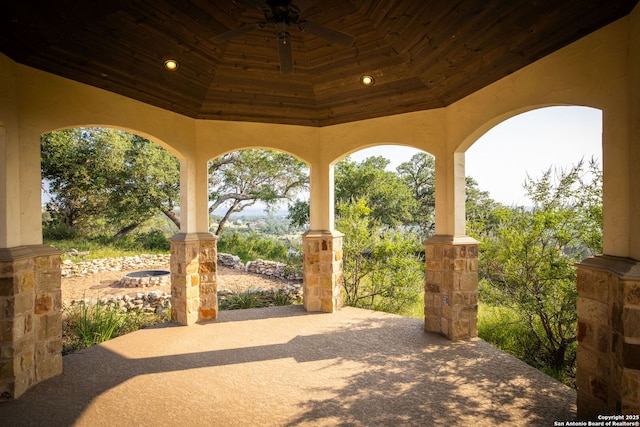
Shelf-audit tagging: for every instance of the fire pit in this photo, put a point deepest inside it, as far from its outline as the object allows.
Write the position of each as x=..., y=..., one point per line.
x=146, y=278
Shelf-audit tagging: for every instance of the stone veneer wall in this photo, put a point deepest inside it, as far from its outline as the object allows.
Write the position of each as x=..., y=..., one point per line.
x=30, y=318
x=322, y=271
x=451, y=287
x=608, y=365
x=193, y=277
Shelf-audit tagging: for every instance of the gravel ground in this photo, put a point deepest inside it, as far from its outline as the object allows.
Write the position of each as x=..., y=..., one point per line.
x=107, y=283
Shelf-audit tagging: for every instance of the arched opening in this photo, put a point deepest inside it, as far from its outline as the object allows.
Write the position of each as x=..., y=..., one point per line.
x=254, y=196
x=110, y=203
x=541, y=215
x=385, y=207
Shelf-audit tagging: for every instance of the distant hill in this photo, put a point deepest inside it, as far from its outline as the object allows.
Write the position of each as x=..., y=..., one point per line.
x=256, y=211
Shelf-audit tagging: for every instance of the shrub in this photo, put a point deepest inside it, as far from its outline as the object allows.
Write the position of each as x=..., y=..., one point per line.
x=87, y=324
x=504, y=328
x=153, y=240
x=252, y=246
x=255, y=298
x=240, y=300
x=56, y=230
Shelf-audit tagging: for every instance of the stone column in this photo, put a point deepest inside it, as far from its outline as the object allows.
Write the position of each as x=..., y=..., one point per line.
x=322, y=285
x=608, y=365
x=193, y=277
x=451, y=287
x=30, y=318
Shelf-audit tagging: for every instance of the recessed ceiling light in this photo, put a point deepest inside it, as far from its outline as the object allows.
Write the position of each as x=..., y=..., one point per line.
x=171, y=64
x=367, y=80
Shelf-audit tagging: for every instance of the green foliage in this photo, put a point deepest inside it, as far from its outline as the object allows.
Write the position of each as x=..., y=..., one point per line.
x=87, y=324
x=481, y=210
x=298, y=215
x=104, y=247
x=238, y=180
x=527, y=262
x=281, y=297
x=255, y=298
x=105, y=181
x=96, y=324
x=150, y=241
x=250, y=298
x=381, y=268
x=505, y=328
x=55, y=230
x=419, y=176
x=252, y=246
x=153, y=240
x=388, y=197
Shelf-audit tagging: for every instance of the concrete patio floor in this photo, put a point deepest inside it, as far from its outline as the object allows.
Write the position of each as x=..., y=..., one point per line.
x=284, y=367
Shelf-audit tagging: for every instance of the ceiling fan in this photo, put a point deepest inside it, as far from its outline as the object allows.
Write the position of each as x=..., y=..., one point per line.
x=284, y=15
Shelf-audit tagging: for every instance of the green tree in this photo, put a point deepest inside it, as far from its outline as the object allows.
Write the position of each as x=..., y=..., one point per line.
x=480, y=210
x=106, y=180
x=387, y=195
x=381, y=268
x=240, y=179
x=527, y=263
x=419, y=175
x=298, y=213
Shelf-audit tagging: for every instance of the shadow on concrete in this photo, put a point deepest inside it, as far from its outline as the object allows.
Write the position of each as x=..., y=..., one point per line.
x=352, y=368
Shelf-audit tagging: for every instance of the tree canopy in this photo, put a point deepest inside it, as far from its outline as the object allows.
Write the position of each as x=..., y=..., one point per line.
x=106, y=180
x=527, y=261
x=240, y=179
x=419, y=175
x=388, y=196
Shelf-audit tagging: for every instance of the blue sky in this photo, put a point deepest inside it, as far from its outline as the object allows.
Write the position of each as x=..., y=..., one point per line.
x=529, y=143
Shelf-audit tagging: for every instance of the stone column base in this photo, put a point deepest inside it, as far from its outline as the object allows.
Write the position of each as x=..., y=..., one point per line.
x=608, y=366
x=193, y=277
x=451, y=286
x=30, y=318
x=322, y=284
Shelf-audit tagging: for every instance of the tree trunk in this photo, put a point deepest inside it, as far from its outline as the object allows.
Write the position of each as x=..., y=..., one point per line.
x=172, y=216
x=126, y=230
x=224, y=219
x=559, y=356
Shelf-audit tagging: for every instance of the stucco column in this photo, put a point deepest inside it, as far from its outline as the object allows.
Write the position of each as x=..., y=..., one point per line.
x=451, y=258
x=30, y=295
x=321, y=196
x=322, y=245
x=608, y=360
x=193, y=250
x=450, y=194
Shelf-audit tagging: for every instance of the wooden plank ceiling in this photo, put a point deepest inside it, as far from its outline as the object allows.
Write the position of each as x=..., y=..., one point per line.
x=423, y=54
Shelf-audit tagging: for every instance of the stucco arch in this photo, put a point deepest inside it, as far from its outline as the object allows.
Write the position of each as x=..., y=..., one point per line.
x=145, y=135
x=49, y=102
x=377, y=144
x=423, y=130
x=216, y=138
x=260, y=147
x=481, y=130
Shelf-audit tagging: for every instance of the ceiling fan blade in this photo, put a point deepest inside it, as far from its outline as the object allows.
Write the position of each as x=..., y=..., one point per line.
x=284, y=50
x=334, y=36
x=303, y=5
x=238, y=31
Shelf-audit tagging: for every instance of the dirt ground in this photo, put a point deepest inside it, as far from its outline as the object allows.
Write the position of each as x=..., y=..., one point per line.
x=107, y=284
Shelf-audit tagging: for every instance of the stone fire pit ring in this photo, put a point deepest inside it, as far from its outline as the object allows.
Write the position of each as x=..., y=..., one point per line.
x=146, y=278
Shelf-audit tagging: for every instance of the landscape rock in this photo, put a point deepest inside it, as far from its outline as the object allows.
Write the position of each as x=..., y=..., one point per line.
x=273, y=269
x=230, y=261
